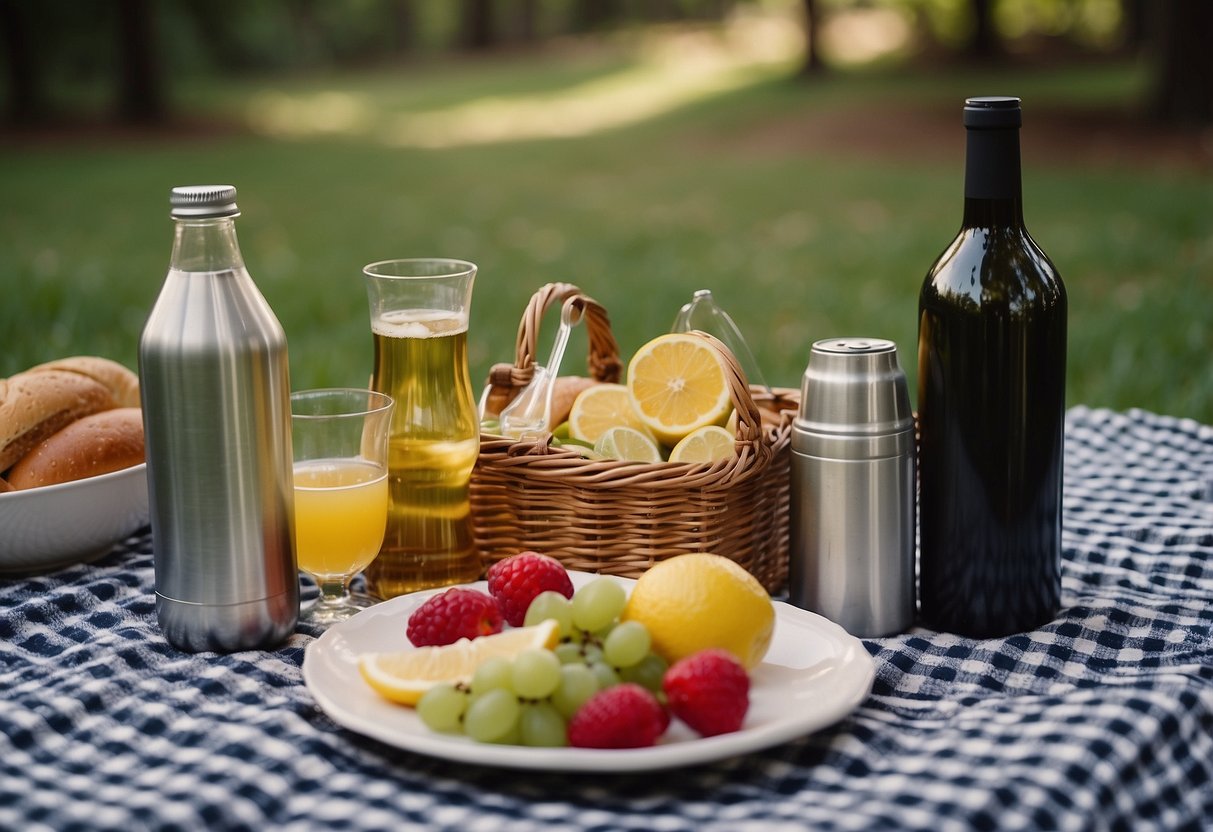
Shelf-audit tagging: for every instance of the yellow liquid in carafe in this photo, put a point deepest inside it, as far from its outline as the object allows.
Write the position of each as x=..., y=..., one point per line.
x=421, y=362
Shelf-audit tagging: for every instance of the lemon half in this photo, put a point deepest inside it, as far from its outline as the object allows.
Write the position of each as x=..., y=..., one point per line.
x=677, y=383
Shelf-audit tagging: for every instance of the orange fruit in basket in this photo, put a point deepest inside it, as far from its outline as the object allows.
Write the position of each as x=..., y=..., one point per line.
x=696, y=601
x=677, y=384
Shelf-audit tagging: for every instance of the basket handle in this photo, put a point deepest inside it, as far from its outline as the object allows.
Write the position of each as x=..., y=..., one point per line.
x=749, y=420
x=603, y=361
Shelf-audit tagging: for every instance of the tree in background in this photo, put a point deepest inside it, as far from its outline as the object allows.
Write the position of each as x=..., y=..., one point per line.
x=1182, y=91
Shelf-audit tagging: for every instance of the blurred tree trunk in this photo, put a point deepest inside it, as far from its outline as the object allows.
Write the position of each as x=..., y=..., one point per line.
x=403, y=22
x=26, y=96
x=813, y=65
x=479, y=31
x=1182, y=91
x=216, y=35
x=140, y=84
x=528, y=21
x=1137, y=27
x=984, y=44
x=593, y=15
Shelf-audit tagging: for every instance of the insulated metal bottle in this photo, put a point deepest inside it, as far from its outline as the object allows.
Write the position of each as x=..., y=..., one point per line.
x=216, y=412
x=852, y=490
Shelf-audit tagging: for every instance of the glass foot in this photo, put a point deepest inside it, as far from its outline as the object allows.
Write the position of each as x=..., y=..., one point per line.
x=326, y=613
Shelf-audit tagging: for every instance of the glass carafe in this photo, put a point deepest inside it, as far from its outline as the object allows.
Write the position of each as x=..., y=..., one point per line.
x=419, y=322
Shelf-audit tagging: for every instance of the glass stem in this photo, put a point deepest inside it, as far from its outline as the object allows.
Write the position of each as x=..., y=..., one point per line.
x=333, y=590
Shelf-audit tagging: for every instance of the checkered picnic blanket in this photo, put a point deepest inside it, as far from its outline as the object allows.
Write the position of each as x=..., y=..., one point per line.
x=1102, y=719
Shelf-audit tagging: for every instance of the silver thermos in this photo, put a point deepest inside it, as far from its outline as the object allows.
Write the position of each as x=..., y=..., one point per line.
x=216, y=412
x=853, y=488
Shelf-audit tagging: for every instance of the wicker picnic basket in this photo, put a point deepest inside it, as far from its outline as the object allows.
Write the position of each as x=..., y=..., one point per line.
x=620, y=518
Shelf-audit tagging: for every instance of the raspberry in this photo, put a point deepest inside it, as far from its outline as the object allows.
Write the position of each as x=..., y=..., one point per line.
x=709, y=691
x=452, y=615
x=623, y=716
x=515, y=582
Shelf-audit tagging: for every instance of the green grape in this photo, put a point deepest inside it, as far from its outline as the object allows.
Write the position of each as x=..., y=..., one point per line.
x=542, y=725
x=649, y=673
x=492, y=716
x=577, y=684
x=494, y=672
x=568, y=652
x=605, y=674
x=512, y=736
x=598, y=603
x=600, y=635
x=536, y=673
x=550, y=604
x=627, y=644
x=591, y=653
x=441, y=706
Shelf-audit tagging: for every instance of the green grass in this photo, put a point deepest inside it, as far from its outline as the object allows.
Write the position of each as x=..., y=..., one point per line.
x=797, y=244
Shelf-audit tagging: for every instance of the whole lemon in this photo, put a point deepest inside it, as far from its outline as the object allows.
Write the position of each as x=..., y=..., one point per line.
x=695, y=601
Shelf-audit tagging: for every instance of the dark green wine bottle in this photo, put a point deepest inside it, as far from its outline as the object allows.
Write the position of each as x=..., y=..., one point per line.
x=991, y=401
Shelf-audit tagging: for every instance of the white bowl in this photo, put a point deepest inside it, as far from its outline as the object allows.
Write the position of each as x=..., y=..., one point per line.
x=72, y=522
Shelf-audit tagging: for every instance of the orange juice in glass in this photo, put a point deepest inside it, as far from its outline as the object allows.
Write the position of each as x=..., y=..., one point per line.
x=341, y=493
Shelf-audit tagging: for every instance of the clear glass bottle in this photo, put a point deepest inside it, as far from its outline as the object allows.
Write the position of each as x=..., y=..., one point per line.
x=216, y=410
x=991, y=400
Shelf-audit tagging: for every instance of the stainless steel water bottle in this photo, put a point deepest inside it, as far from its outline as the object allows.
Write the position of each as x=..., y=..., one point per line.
x=852, y=490
x=216, y=412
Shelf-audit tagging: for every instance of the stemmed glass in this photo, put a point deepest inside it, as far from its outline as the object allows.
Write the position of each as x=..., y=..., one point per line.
x=340, y=439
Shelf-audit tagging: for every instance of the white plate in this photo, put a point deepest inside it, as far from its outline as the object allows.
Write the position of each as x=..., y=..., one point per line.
x=813, y=676
x=72, y=522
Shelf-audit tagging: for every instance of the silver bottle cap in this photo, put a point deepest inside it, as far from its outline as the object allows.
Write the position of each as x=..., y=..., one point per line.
x=203, y=201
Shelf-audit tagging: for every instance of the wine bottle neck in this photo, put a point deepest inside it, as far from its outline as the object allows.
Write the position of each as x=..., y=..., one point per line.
x=206, y=245
x=993, y=191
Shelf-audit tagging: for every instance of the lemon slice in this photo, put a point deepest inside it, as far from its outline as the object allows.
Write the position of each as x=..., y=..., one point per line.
x=601, y=407
x=405, y=675
x=627, y=443
x=677, y=384
x=708, y=444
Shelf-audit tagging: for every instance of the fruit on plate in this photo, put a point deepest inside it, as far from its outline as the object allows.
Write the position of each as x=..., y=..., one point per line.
x=709, y=691
x=404, y=676
x=624, y=716
x=707, y=444
x=677, y=383
x=454, y=614
x=599, y=408
x=515, y=581
x=578, y=671
x=696, y=601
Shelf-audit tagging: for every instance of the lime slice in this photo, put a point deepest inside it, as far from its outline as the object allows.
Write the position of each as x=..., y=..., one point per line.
x=627, y=444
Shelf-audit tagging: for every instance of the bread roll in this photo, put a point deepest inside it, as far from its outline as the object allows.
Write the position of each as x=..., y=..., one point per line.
x=121, y=382
x=4, y=486
x=107, y=441
x=564, y=393
x=35, y=405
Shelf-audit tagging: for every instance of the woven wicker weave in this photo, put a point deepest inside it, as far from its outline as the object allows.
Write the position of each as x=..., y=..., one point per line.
x=620, y=518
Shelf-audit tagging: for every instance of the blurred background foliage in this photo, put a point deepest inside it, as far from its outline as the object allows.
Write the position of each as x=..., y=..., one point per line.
x=801, y=158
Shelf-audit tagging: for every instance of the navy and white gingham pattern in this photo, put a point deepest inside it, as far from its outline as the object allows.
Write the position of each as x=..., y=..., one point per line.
x=1102, y=719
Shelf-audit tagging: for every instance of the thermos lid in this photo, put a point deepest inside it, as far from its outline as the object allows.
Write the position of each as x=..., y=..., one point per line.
x=203, y=201
x=853, y=389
